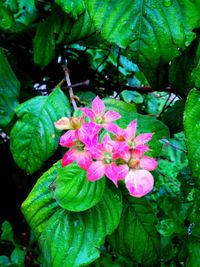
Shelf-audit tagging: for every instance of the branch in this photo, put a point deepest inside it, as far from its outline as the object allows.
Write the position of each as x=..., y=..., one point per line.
x=172, y=145
x=71, y=93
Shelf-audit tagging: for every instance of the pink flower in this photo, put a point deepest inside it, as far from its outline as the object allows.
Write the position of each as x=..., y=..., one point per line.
x=97, y=113
x=83, y=158
x=139, y=182
x=128, y=135
x=104, y=164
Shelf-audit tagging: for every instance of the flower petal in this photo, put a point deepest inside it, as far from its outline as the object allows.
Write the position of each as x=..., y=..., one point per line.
x=88, y=133
x=131, y=129
x=84, y=160
x=139, y=182
x=148, y=163
x=62, y=124
x=88, y=112
x=116, y=173
x=111, y=116
x=69, y=157
x=143, y=138
x=95, y=171
x=98, y=107
x=67, y=139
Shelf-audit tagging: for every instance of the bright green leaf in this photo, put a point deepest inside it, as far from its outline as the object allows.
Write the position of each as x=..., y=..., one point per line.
x=74, y=192
x=4, y=261
x=34, y=137
x=6, y=18
x=154, y=31
x=75, y=7
x=136, y=235
x=7, y=232
x=9, y=91
x=18, y=256
x=69, y=238
x=192, y=131
x=131, y=96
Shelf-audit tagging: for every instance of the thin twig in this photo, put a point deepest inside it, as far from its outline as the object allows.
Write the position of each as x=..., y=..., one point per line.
x=172, y=145
x=71, y=93
x=77, y=84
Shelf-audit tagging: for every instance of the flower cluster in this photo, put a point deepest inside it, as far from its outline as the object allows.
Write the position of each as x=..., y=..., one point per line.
x=118, y=155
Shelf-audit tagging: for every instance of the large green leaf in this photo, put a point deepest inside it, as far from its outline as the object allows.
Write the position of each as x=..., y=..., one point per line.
x=192, y=131
x=154, y=31
x=74, y=192
x=67, y=238
x=34, y=137
x=194, y=251
x=136, y=236
x=9, y=91
x=146, y=124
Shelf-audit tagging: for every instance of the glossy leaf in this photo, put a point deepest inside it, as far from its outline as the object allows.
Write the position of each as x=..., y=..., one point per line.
x=194, y=250
x=7, y=232
x=75, y=7
x=76, y=236
x=74, y=192
x=34, y=137
x=153, y=30
x=192, y=131
x=9, y=91
x=136, y=236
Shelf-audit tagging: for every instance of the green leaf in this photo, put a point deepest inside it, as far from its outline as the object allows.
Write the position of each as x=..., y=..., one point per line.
x=6, y=18
x=74, y=192
x=4, y=261
x=18, y=257
x=68, y=238
x=131, y=96
x=194, y=250
x=7, y=232
x=9, y=91
x=34, y=137
x=192, y=131
x=154, y=31
x=173, y=117
x=136, y=235
x=49, y=33
x=75, y=7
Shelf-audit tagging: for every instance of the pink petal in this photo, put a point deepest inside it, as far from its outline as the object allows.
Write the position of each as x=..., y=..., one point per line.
x=95, y=171
x=120, y=150
x=69, y=157
x=88, y=133
x=67, y=139
x=116, y=130
x=84, y=160
x=143, y=138
x=111, y=116
x=98, y=107
x=139, y=151
x=62, y=124
x=131, y=129
x=88, y=112
x=116, y=173
x=148, y=163
x=139, y=182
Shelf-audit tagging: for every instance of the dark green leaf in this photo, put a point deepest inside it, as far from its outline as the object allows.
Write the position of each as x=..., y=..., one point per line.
x=56, y=25
x=7, y=232
x=6, y=18
x=9, y=91
x=192, y=131
x=34, y=137
x=194, y=251
x=4, y=261
x=173, y=117
x=69, y=238
x=74, y=192
x=154, y=31
x=136, y=236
